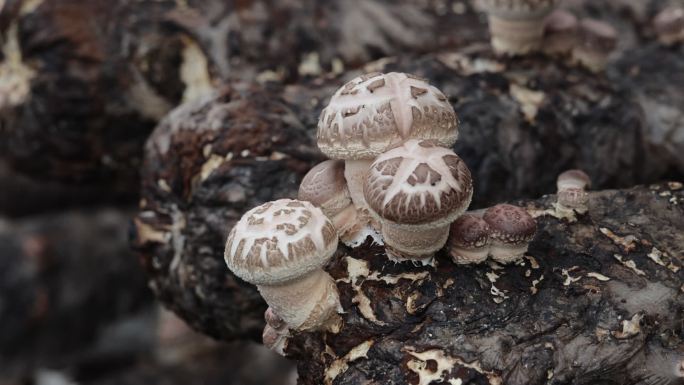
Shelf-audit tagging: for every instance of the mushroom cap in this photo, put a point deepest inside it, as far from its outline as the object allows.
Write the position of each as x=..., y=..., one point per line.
x=598, y=36
x=374, y=111
x=518, y=9
x=469, y=231
x=573, y=179
x=510, y=224
x=669, y=20
x=560, y=21
x=280, y=241
x=418, y=183
x=325, y=187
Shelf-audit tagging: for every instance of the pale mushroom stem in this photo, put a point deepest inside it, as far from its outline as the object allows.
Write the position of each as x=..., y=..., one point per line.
x=355, y=173
x=516, y=36
x=507, y=253
x=413, y=242
x=294, y=303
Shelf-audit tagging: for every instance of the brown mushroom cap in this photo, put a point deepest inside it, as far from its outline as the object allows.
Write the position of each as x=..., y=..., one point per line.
x=469, y=231
x=573, y=179
x=374, y=111
x=418, y=183
x=597, y=36
x=280, y=241
x=510, y=224
x=670, y=20
x=324, y=186
x=518, y=9
x=560, y=21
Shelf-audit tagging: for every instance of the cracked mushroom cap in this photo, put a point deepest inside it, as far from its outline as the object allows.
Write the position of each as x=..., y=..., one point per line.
x=280, y=241
x=597, y=36
x=374, y=111
x=577, y=179
x=418, y=183
x=518, y=9
x=510, y=224
x=469, y=231
x=324, y=186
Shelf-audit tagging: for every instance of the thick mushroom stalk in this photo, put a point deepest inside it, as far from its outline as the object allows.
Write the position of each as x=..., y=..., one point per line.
x=669, y=25
x=325, y=187
x=596, y=41
x=374, y=111
x=281, y=247
x=571, y=191
x=560, y=33
x=517, y=26
x=416, y=190
x=469, y=240
x=511, y=230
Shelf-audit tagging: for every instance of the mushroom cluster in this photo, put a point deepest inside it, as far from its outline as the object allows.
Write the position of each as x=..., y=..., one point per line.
x=393, y=177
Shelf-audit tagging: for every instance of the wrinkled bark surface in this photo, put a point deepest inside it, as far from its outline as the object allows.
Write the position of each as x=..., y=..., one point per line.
x=595, y=301
x=63, y=278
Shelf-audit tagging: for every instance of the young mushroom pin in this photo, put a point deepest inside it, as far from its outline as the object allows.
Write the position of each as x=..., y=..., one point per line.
x=571, y=191
x=511, y=230
x=281, y=247
x=416, y=190
x=517, y=26
x=372, y=112
x=469, y=240
x=560, y=33
x=669, y=25
x=325, y=187
x=595, y=42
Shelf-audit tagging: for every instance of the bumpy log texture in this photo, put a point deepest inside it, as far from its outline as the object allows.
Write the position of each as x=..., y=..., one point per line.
x=596, y=300
x=63, y=278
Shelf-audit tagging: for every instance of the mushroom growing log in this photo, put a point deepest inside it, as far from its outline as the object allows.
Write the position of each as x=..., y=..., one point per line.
x=597, y=299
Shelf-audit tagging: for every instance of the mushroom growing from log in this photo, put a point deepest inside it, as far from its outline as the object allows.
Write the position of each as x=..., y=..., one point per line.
x=275, y=333
x=469, y=240
x=281, y=247
x=325, y=187
x=572, y=194
x=517, y=26
x=511, y=230
x=560, y=32
x=669, y=25
x=596, y=41
x=372, y=112
x=416, y=190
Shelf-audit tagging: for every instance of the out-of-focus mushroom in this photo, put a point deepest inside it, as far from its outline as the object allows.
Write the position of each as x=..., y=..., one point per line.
x=571, y=190
x=511, y=230
x=275, y=333
x=468, y=240
x=669, y=25
x=372, y=112
x=417, y=190
x=325, y=187
x=517, y=26
x=596, y=40
x=281, y=247
x=560, y=32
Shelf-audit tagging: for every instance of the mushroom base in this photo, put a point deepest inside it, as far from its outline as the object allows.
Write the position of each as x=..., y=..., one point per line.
x=516, y=36
x=464, y=256
x=275, y=340
x=308, y=303
x=507, y=253
x=355, y=173
x=417, y=243
x=594, y=61
x=352, y=230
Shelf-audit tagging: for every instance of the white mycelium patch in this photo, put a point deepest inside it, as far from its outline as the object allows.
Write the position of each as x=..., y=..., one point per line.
x=277, y=234
x=375, y=110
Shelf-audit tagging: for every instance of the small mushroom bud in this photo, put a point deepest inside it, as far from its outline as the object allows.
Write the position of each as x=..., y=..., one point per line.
x=416, y=190
x=469, y=240
x=572, y=195
x=325, y=187
x=595, y=42
x=274, y=320
x=281, y=247
x=669, y=25
x=274, y=340
x=511, y=230
x=560, y=32
x=517, y=26
x=372, y=112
